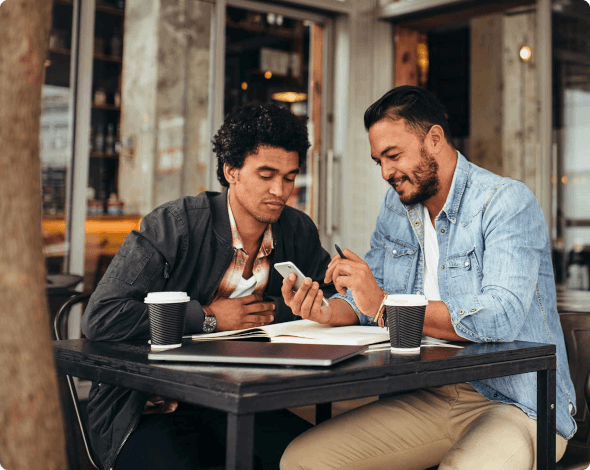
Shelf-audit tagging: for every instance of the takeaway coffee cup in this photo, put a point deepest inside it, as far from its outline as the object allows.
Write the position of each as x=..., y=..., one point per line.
x=405, y=320
x=166, y=312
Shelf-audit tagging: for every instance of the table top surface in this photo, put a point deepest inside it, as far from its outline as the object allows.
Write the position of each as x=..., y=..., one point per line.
x=131, y=357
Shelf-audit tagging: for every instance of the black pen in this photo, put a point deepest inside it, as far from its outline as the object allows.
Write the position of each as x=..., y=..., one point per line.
x=340, y=252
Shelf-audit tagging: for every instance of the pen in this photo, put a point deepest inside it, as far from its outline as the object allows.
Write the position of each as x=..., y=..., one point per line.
x=340, y=252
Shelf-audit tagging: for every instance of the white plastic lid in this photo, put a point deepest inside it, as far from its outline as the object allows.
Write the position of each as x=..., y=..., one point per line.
x=166, y=297
x=406, y=299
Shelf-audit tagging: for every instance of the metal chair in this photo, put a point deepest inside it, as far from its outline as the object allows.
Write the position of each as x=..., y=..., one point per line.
x=60, y=329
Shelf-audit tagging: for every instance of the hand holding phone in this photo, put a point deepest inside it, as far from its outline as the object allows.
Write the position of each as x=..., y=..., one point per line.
x=287, y=268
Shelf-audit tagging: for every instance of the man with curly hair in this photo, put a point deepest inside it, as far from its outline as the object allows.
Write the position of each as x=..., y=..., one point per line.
x=219, y=248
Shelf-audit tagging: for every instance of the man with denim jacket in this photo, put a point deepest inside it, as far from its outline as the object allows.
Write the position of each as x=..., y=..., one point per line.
x=477, y=246
x=220, y=248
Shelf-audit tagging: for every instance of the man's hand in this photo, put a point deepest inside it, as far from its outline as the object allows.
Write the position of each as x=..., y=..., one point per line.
x=354, y=274
x=243, y=312
x=307, y=303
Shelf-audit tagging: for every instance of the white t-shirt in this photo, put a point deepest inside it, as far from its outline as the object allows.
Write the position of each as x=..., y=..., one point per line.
x=430, y=259
x=245, y=287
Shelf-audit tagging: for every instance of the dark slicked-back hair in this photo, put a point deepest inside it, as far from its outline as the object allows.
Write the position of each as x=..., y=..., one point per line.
x=418, y=107
x=249, y=127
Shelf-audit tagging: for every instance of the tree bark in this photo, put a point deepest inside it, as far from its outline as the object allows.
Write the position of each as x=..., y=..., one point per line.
x=31, y=426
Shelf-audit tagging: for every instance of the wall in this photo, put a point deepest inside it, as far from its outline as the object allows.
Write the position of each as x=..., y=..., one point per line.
x=165, y=102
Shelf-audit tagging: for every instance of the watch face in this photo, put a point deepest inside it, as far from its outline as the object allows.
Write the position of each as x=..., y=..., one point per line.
x=210, y=324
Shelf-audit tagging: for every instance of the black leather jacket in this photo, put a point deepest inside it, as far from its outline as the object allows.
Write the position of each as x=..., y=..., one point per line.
x=184, y=245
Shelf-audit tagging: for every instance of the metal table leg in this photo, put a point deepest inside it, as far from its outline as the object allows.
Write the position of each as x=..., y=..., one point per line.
x=546, y=419
x=240, y=442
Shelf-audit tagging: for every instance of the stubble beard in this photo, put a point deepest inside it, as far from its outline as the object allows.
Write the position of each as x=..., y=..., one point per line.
x=425, y=176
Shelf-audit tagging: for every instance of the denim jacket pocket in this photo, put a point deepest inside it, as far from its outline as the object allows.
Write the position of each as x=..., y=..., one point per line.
x=128, y=263
x=397, y=265
x=464, y=273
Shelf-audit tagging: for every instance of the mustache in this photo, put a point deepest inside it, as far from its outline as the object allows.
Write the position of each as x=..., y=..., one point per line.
x=393, y=181
x=274, y=201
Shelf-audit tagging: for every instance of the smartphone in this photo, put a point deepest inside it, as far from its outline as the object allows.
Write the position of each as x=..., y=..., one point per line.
x=287, y=268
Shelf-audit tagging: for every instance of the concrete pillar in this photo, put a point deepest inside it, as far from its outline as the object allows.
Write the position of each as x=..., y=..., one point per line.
x=370, y=75
x=504, y=129
x=165, y=102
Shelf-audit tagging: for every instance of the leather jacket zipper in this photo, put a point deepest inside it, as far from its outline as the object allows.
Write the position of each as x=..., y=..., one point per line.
x=166, y=270
x=131, y=429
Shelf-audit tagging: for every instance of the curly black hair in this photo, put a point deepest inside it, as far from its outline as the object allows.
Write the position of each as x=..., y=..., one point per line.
x=248, y=127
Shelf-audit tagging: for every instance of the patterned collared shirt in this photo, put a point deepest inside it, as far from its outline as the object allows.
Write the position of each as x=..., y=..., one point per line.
x=235, y=272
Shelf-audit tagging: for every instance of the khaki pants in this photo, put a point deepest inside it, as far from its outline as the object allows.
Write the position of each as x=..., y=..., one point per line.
x=452, y=426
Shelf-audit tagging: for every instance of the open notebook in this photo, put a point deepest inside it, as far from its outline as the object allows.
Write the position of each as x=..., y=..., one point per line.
x=304, y=331
x=310, y=332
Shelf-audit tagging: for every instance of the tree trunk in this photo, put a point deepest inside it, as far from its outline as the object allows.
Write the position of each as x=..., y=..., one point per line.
x=31, y=427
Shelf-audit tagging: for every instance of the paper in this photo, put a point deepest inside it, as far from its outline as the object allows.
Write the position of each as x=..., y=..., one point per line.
x=305, y=331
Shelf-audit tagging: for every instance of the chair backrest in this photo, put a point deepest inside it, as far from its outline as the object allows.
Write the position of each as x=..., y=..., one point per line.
x=60, y=328
x=576, y=332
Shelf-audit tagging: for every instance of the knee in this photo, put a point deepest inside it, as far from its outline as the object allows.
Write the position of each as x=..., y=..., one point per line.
x=293, y=457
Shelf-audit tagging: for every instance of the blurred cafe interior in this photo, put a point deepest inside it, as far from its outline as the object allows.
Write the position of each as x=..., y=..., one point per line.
x=135, y=89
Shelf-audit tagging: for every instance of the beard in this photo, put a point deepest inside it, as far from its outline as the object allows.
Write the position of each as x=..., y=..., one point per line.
x=424, y=176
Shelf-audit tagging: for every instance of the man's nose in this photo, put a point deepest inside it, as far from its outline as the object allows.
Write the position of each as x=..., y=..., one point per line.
x=277, y=188
x=387, y=171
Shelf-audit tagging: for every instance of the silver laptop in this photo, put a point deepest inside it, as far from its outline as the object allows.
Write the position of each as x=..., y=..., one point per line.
x=249, y=352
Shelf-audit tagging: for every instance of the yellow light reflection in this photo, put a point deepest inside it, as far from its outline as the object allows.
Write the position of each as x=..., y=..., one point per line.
x=267, y=74
x=525, y=53
x=289, y=96
x=244, y=86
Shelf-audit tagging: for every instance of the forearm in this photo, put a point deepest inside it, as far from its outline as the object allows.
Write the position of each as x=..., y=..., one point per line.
x=437, y=322
x=341, y=313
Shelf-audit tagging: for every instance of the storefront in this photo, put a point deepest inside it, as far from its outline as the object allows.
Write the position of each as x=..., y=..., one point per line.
x=135, y=90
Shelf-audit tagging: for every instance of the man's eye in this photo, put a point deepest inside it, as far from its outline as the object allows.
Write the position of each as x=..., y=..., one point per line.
x=393, y=157
x=290, y=180
x=266, y=177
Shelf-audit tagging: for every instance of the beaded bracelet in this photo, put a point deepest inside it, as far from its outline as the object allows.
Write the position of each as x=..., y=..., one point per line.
x=379, y=317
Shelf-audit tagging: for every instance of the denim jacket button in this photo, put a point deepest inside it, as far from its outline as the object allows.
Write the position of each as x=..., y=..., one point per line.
x=461, y=312
x=394, y=252
x=495, y=395
x=466, y=263
x=473, y=310
x=442, y=267
x=416, y=223
x=442, y=230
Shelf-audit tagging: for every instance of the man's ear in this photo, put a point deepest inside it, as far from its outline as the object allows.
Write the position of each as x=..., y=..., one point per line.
x=435, y=139
x=230, y=173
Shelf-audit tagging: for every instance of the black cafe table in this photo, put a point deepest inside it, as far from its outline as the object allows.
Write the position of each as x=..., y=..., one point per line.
x=242, y=391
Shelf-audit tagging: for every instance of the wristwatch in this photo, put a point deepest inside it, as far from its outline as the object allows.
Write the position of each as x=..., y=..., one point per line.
x=210, y=322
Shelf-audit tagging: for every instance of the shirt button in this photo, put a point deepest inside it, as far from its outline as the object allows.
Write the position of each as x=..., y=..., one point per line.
x=394, y=252
x=461, y=312
x=442, y=230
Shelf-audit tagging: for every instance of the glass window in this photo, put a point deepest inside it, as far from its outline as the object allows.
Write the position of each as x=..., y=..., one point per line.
x=571, y=179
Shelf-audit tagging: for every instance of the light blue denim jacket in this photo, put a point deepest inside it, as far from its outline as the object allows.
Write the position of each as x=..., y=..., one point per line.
x=494, y=274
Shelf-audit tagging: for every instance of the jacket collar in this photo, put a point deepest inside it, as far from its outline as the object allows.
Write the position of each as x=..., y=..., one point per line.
x=220, y=217
x=451, y=207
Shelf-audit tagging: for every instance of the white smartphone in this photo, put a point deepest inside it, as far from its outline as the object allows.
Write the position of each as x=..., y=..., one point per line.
x=287, y=268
